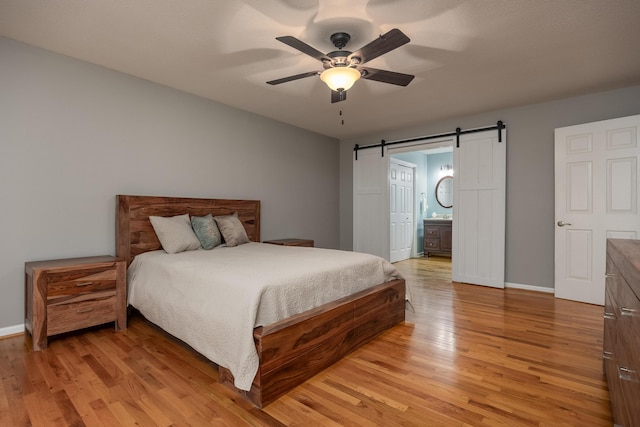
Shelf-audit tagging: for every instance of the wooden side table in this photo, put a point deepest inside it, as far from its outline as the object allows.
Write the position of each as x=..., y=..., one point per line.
x=69, y=294
x=291, y=242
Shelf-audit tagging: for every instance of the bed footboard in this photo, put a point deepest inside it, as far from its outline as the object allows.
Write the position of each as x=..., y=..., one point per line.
x=295, y=349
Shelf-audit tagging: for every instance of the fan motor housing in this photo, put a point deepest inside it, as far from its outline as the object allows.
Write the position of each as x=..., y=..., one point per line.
x=340, y=40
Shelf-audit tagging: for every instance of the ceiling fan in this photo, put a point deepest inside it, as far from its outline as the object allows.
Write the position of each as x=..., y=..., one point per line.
x=342, y=68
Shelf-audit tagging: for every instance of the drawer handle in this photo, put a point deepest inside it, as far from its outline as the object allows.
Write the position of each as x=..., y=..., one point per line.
x=609, y=316
x=625, y=374
x=83, y=284
x=84, y=310
x=624, y=311
x=607, y=355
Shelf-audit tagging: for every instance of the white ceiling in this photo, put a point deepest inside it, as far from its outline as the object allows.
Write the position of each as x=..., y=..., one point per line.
x=468, y=56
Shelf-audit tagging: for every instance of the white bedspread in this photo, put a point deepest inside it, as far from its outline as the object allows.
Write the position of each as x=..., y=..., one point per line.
x=213, y=299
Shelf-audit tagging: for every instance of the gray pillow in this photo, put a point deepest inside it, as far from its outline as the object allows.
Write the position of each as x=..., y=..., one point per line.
x=207, y=231
x=175, y=233
x=232, y=229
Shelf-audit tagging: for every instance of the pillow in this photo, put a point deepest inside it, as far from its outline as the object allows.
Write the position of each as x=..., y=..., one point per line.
x=232, y=230
x=207, y=231
x=175, y=233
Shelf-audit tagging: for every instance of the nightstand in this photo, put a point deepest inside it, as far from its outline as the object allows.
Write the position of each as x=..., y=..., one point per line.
x=69, y=294
x=291, y=242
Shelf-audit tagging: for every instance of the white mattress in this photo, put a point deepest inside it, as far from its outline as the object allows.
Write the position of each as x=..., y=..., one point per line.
x=213, y=299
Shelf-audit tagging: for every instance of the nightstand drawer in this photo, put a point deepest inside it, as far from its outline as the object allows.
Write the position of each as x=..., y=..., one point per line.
x=69, y=317
x=81, y=281
x=63, y=286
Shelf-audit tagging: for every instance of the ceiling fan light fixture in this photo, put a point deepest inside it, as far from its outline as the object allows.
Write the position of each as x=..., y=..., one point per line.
x=340, y=78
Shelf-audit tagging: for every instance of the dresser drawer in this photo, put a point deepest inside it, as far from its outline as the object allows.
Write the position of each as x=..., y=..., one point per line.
x=610, y=320
x=628, y=375
x=628, y=314
x=627, y=329
x=69, y=317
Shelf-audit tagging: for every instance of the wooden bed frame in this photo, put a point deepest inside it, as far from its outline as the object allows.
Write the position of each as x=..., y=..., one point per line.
x=291, y=350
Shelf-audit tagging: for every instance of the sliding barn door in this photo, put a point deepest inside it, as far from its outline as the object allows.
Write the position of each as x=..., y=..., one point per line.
x=479, y=209
x=371, y=203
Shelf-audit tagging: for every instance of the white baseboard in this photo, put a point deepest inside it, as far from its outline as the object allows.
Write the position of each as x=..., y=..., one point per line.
x=11, y=330
x=529, y=287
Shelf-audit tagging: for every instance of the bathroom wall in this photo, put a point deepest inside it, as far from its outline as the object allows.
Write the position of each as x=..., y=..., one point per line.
x=436, y=167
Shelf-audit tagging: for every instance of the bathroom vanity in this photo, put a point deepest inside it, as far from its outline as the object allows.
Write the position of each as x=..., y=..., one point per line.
x=437, y=237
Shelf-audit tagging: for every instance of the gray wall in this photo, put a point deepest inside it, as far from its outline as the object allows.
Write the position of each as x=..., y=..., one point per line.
x=530, y=182
x=73, y=135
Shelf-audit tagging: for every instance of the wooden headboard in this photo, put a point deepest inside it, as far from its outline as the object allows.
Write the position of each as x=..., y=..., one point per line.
x=135, y=235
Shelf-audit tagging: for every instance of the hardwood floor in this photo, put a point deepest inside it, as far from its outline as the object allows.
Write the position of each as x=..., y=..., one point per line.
x=469, y=355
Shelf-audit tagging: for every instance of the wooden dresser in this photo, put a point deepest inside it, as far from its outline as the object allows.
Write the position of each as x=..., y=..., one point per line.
x=622, y=330
x=69, y=294
x=437, y=237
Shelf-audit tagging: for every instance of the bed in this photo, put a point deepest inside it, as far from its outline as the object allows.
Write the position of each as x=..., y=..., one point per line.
x=293, y=349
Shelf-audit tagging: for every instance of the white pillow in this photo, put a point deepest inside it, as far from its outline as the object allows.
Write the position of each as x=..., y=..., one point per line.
x=175, y=233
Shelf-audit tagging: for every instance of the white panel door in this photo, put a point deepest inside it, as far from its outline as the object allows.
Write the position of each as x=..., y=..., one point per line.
x=596, y=197
x=371, y=203
x=401, y=182
x=479, y=166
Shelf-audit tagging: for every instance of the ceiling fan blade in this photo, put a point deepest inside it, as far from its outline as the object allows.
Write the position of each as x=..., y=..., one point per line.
x=383, y=44
x=338, y=96
x=385, y=76
x=303, y=47
x=296, y=77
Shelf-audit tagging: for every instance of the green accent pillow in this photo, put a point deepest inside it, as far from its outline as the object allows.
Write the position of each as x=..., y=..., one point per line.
x=207, y=231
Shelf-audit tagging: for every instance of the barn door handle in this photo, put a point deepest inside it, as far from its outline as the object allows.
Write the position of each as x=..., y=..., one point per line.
x=562, y=223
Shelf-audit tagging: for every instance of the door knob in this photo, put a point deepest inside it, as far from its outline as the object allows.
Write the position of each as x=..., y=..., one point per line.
x=562, y=223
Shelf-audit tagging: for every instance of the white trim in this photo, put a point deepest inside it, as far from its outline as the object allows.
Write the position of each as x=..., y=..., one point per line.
x=402, y=162
x=529, y=287
x=422, y=144
x=11, y=330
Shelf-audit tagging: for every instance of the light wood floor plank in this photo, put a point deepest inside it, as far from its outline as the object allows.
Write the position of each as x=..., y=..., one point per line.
x=467, y=356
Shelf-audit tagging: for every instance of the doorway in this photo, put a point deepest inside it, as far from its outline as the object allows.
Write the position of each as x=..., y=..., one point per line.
x=432, y=161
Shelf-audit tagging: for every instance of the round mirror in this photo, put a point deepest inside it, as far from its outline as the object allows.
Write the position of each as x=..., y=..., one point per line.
x=444, y=192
